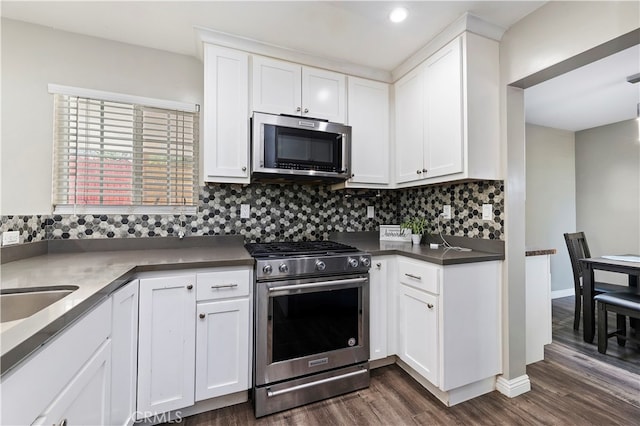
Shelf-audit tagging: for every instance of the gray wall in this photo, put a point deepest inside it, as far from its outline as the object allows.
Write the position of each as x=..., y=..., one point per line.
x=608, y=189
x=551, y=196
x=34, y=56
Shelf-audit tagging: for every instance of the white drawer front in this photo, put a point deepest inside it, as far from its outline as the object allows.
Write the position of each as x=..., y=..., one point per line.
x=223, y=284
x=420, y=275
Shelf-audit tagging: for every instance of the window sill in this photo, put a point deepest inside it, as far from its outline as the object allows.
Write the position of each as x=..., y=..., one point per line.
x=124, y=210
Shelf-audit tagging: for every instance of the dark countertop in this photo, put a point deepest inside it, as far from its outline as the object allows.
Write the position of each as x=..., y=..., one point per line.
x=99, y=267
x=97, y=272
x=539, y=252
x=482, y=250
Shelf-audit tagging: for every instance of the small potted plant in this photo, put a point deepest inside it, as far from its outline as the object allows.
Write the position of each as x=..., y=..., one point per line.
x=417, y=225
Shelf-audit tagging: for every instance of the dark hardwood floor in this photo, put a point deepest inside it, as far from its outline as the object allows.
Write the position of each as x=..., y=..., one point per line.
x=574, y=385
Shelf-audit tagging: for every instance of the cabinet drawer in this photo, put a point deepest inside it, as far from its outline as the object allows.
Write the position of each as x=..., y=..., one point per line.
x=223, y=283
x=420, y=275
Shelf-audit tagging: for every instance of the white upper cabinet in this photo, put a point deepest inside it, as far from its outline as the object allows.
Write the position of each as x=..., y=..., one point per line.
x=368, y=116
x=443, y=112
x=277, y=86
x=324, y=94
x=226, y=115
x=281, y=87
x=409, y=126
x=447, y=115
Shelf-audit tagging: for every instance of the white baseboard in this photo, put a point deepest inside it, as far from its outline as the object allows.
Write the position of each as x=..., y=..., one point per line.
x=565, y=292
x=513, y=387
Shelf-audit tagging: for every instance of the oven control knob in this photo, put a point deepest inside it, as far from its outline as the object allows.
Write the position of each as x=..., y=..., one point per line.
x=353, y=262
x=283, y=268
x=365, y=261
x=320, y=266
x=267, y=269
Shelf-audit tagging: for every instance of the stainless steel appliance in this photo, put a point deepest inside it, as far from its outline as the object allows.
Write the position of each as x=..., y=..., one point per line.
x=299, y=148
x=311, y=323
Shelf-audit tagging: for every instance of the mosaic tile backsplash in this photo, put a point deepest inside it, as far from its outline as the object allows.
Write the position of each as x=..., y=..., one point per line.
x=286, y=212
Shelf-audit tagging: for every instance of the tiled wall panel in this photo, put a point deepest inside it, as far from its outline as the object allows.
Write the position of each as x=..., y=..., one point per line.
x=286, y=212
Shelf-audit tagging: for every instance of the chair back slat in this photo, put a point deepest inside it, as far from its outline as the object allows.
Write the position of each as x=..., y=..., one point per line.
x=578, y=249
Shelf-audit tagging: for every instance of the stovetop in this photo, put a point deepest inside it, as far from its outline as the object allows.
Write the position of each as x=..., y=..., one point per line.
x=297, y=248
x=285, y=260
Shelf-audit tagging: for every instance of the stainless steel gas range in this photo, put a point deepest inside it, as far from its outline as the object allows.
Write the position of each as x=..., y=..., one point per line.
x=311, y=322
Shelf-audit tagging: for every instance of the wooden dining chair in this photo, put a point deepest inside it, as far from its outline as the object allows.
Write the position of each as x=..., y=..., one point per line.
x=579, y=249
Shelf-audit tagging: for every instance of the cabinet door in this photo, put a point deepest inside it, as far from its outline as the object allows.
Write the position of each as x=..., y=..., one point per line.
x=418, y=332
x=166, y=351
x=409, y=92
x=324, y=94
x=226, y=115
x=124, y=360
x=85, y=400
x=277, y=86
x=369, y=119
x=222, y=348
x=443, y=111
x=378, y=309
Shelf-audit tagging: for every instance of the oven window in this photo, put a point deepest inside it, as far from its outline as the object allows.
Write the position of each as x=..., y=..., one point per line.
x=312, y=323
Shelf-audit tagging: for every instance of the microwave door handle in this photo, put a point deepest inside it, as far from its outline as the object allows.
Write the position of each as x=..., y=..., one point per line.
x=345, y=152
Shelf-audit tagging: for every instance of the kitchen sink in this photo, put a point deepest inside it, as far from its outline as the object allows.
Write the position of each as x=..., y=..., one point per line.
x=21, y=303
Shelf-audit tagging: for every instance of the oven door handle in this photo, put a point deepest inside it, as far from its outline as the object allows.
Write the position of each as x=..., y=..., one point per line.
x=318, y=284
x=271, y=393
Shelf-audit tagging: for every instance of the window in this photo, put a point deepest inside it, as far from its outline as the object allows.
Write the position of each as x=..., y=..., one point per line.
x=119, y=154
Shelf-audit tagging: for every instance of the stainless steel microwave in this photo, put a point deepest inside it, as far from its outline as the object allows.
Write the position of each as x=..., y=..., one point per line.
x=286, y=147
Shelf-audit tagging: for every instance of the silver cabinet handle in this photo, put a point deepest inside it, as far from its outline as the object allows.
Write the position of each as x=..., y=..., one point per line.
x=430, y=305
x=298, y=109
x=202, y=316
x=306, y=110
x=63, y=422
x=418, y=171
x=415, y=277
x=218, y=287
x=244, y=168
x=190, y=287
x=378, y=265
x=424, y=170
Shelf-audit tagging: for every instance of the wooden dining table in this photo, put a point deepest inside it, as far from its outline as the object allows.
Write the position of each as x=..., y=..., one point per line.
x=631, y=269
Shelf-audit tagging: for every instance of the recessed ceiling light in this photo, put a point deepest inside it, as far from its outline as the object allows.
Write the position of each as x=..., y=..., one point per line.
x=398, y=14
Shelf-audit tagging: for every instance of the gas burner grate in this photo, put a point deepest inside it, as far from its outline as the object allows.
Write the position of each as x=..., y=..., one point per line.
x=297, y=248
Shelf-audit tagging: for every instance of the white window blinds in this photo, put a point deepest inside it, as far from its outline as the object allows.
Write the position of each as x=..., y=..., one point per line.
x=109, y=153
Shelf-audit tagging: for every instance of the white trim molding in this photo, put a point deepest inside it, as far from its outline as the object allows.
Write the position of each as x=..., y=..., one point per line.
x=565, y=292
x=513, y=387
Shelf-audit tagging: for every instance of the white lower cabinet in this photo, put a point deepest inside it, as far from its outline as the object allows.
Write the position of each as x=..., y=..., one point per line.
x=378, y=302
x=418, y=331
x=124, y=354
x=166, y=348
x=448, y=326
x=68, y=378
x=85, y=401
x=222, y=348
x=223, y=332
x=538, y=306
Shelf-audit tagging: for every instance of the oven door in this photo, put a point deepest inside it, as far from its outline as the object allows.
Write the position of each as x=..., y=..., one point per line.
x=311, y=325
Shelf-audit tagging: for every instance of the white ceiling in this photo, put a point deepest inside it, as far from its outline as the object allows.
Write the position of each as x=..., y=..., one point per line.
x=356, y=32
x=349, y=31
x=591, y=96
